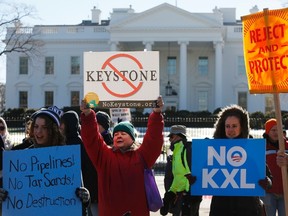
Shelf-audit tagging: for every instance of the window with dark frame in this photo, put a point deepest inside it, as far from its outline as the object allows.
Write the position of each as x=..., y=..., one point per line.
x=23, y=65
x=202, y=100
x=203, y=65
x=242, y=99
x=75, y=64
x=269, y=103
x=49, y=65
x=75, y=95
x=171, y=65
x=49, y=98
x=241, y=66
x=23, y=99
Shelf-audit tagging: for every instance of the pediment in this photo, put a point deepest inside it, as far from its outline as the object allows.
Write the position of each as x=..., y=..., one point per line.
x=74, y=84
x=48, y=85
x=240, y=85
x=23, y=84
x=167, y=16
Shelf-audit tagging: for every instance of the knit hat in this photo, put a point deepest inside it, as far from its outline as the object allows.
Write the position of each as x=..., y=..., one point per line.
x=126, y=127
x=269, y=124
x=103, y=119
x=53, y=112
x=178, y=130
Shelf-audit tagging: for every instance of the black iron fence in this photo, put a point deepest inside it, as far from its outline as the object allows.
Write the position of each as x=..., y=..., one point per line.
x=197, y=127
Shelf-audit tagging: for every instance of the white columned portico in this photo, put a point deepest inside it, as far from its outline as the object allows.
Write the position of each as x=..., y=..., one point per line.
x=114, y=45
x=148, y=45
x=183, y=75
x=218, y=73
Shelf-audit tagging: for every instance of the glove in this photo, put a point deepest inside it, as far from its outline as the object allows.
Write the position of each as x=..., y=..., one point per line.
x=265, y=183
x=169, y=197
x=191, y=179
x=3, y=195
x=164, y=209
x=83, y=194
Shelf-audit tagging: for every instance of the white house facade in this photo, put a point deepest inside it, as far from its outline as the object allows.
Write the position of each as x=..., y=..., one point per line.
x=201, y=59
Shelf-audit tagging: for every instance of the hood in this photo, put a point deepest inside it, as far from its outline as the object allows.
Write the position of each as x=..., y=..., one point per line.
x=232, y=110
x=72, y=124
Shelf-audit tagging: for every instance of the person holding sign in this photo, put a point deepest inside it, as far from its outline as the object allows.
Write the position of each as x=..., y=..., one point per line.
x=274, y=198
x=282, y=159
x=121, y=168
x=233, y=123
x=44, y=132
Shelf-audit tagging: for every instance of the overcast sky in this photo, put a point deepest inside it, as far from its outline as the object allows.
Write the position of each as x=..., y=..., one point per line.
x=71, y=12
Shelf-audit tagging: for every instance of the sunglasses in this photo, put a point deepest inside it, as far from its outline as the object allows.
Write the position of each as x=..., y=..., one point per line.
x=2, y=128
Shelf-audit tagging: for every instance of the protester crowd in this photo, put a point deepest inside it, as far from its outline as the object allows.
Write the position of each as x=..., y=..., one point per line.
x=113, y=161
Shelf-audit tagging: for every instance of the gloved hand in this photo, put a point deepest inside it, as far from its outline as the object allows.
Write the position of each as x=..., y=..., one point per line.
x=164, y=209
x=265, y=183
x=191, y=179
x=83, y=194
x=169, y=197
x=3, y=195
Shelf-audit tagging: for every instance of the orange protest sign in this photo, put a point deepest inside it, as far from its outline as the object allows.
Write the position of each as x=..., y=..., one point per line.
x=266, y=51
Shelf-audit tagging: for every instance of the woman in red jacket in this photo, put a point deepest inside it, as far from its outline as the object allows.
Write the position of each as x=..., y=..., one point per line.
x=120, y=168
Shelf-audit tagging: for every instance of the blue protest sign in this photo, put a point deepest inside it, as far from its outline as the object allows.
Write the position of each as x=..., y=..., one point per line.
x=42, y=181
x=228, y=167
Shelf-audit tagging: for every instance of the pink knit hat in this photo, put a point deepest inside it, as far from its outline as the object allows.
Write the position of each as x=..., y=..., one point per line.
x=269, y=124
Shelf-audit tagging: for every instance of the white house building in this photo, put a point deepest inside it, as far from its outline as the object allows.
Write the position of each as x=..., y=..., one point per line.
x=201, y=59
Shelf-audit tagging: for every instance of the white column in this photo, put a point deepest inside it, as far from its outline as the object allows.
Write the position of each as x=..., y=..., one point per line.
x=218, y=74
x=114, y=45
x=148, y=45
x=183, y=75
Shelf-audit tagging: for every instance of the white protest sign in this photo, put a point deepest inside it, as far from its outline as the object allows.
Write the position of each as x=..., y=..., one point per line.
x=121, y=79
x=120, y=114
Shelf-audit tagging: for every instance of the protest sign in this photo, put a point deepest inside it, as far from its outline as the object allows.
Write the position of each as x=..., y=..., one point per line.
x=266, y=61
x=42, y=181
x=228, y=167
x=265, y=51
x=120, y=114
x=121, y=79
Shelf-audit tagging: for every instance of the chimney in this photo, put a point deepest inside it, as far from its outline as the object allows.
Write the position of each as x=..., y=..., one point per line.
x=254, y=9
x=95, y=15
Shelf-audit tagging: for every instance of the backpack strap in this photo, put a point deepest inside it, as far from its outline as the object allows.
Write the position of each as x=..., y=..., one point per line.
x=182, y=156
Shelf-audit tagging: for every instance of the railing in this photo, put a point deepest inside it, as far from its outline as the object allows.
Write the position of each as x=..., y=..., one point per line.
x=16, y=127
x=197, y=126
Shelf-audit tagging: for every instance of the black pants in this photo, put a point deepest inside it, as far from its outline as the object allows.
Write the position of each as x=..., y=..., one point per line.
x=186, y=205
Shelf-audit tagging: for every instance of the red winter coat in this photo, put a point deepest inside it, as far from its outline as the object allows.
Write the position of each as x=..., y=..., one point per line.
x=120, y=174
x=271, y=154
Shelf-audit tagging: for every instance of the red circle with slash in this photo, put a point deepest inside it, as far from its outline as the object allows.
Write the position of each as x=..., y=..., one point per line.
x=134, y=88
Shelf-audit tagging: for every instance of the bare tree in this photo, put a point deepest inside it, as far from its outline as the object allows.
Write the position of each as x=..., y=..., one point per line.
x=18, y=38
x=2, y=97
x=15, y=35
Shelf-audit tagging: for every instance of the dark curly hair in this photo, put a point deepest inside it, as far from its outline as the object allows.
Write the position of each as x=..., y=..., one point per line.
x=55, y=136
x=232, y=110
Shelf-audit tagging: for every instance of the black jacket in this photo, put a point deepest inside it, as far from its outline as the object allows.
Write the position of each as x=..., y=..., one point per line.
x=72, y=133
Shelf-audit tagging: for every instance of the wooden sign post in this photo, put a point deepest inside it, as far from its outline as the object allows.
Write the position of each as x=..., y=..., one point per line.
x=281, y=148
x=266, y=63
